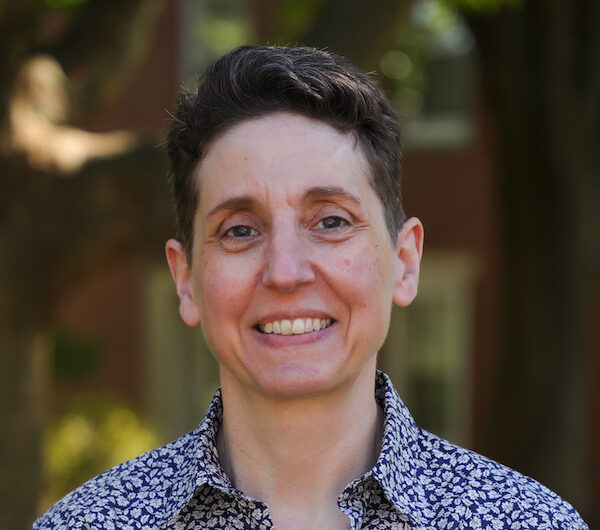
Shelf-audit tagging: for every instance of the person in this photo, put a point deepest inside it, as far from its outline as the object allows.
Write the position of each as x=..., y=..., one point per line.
x=292, y=245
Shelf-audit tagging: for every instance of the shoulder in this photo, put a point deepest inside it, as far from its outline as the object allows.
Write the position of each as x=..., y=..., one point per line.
x=141, y=490
x=468, y=486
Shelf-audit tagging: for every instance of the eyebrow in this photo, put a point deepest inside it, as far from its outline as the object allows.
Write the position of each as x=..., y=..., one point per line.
x=245, y=202
x=329, y=192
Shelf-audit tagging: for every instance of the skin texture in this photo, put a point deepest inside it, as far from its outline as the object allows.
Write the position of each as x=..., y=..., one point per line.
x=288, y=226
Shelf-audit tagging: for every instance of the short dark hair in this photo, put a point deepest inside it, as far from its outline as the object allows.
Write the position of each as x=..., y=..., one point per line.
x=252, y=81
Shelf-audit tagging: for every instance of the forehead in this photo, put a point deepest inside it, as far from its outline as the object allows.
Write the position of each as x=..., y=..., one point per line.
x=280, y=153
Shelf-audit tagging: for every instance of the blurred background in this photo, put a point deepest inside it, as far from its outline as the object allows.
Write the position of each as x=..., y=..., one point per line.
x=501, y=107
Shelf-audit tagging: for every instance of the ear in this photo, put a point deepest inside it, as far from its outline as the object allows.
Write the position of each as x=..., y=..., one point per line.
x=409, y=250
x=182, y=276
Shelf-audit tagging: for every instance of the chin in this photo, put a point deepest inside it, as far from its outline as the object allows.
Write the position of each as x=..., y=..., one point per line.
x=296, y=381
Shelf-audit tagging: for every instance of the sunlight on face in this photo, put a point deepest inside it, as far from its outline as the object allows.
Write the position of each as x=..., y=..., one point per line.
x=293, y=271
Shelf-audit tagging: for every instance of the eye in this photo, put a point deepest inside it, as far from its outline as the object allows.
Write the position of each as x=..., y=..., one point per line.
x=331, y=223
x=241, y=231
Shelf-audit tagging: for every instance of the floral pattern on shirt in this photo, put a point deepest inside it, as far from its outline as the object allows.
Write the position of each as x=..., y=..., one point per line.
x=419, y=481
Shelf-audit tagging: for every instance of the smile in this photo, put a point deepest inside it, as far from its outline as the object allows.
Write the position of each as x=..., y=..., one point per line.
x=297, y=326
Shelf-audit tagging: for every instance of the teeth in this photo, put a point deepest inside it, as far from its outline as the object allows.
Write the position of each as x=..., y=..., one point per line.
x=286, y=327
x=298, y=326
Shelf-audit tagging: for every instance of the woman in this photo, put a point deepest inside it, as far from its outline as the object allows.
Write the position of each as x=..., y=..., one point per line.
x=291, y=247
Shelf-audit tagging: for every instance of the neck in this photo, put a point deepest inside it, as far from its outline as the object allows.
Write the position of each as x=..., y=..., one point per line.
x=298, y=455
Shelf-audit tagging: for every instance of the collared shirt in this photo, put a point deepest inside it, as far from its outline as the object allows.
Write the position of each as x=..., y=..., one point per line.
x=419, y=481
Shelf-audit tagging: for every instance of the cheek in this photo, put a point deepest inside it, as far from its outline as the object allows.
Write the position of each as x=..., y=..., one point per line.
x=368, y=287
x=224, y=289
x=368, y=276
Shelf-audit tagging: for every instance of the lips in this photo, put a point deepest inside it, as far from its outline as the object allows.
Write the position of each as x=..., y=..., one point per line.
x=296, y=326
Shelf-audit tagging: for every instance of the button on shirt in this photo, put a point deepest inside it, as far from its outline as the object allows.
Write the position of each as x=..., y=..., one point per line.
x=419, y=481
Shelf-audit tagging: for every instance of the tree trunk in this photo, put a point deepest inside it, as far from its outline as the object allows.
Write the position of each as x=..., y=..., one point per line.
x=541, y=65
x=22, y=375
x=54, y=229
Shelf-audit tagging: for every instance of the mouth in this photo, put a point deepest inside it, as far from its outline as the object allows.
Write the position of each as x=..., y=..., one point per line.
x=296, y=326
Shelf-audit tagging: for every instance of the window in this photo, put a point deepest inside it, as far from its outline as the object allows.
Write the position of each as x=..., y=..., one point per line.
x=429, y=73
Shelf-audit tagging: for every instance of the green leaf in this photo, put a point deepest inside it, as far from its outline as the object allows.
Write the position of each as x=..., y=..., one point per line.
x=64, y=4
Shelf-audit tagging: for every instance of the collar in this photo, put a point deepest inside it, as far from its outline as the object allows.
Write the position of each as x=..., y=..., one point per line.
x=198, y=461
x=396, y=469
x=401, y=458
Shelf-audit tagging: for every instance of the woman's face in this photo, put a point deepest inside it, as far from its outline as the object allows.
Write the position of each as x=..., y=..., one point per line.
x=293, y=271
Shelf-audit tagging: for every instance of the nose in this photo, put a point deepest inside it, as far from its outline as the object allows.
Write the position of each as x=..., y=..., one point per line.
x=287, y=261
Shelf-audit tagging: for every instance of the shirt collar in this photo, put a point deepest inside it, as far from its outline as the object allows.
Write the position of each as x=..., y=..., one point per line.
x=401, y=457
x=395, y=469
x=199, y=462
x=209, y=470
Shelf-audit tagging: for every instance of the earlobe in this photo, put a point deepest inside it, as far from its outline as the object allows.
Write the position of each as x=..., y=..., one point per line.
x=182, y=276
x=408, y=252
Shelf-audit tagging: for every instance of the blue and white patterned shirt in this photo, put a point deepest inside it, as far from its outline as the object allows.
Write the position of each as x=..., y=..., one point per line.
x=419, y=481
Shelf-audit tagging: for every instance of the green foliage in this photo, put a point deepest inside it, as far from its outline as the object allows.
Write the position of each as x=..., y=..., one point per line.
x=74, y=357
x=63, y=4
x=292, y=18
x=435, y=33
x=223, y=33
x=89, y=438
x=439, y=17
x=482, y=6
x=222, y=25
